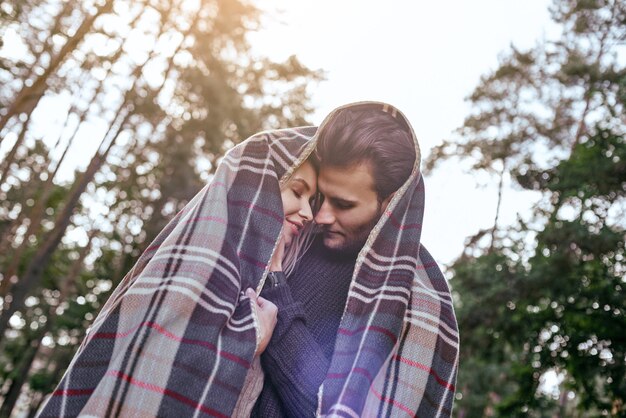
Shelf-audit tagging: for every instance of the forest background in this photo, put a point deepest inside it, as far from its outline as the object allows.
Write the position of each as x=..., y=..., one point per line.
x=164, y=87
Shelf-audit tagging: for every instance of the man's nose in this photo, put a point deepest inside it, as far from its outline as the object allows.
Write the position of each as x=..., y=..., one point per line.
x=325, y=215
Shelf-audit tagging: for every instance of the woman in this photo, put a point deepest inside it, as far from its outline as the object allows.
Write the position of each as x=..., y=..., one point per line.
x=178, y=336
x=298, y=198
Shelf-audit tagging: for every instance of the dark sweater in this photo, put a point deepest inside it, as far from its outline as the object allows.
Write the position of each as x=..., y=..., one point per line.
x=310, y=307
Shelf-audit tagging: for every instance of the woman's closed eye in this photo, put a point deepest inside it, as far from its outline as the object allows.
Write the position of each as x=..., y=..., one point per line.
x=296, y=192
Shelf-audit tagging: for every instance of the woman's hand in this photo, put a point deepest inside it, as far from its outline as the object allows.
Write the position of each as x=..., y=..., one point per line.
x=276, y=263
x=267, y=314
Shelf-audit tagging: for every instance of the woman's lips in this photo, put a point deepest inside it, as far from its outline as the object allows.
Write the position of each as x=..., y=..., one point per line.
x=295, y=228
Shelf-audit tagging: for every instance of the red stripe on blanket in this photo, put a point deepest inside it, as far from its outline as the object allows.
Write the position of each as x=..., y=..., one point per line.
x=439, y=380
x=382, y=330
x=427, y=266
x=241, y=203
x=166, y=392
x=363, y=372
x=370, y=350
x=393, y=402
x=399, y=225
x=160, y=329
x=72, y=392
x=358, y=370
x=251, y=260
x=186, y=209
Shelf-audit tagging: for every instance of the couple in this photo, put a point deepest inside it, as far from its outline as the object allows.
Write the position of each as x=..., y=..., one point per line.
x=365, y=321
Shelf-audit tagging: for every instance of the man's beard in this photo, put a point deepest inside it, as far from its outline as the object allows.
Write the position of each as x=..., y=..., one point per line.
x=355, y=240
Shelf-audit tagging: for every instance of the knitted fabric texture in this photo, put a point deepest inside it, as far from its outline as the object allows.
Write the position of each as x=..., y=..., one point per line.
x=310, y=307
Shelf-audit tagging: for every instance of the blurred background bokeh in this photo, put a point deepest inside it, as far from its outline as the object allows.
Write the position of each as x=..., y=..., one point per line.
x=114, y=113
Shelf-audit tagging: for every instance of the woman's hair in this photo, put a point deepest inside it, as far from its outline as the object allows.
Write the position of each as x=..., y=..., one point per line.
x=301, y=242
x=298, y=247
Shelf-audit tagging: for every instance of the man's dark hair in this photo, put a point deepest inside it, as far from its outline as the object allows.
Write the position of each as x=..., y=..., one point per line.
x=367, y=134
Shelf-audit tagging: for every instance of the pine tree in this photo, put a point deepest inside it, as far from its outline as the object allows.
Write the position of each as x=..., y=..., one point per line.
x=546, y=295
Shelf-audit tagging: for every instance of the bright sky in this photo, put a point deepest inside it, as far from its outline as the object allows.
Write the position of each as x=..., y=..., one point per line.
x=424, y=58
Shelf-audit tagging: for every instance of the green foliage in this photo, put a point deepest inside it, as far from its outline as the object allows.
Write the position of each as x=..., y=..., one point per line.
x=546, y=296
x=604, y=156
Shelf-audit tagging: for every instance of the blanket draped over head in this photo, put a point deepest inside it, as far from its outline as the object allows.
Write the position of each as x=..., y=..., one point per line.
x=177, y=337
x=396, y=352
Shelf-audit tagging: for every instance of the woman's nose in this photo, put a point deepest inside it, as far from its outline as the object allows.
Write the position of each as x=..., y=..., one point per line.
x=306, y=213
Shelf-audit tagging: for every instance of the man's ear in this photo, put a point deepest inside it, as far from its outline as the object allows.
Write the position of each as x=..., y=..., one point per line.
x=383, y=205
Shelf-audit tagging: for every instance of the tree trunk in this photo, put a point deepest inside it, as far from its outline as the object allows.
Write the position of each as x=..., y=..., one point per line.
x=60, y=363
x=65, y=288
x=35, y=217
x=34, y=271
x=35, y=404
x=29, y=96
x=581, y=129
x=10, y=157
x=10, y=398
x=48, y=44
x=8, y=234
x=495, y=221
x=70, y=281
x=38, y=211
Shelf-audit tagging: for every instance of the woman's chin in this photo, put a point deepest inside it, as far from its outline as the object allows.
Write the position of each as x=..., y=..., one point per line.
x=287, y=238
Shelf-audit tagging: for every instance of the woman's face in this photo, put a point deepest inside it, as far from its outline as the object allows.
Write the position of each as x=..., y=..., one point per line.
x=297, y=195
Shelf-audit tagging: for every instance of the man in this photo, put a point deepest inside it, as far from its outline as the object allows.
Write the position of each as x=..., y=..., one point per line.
x=365, y=323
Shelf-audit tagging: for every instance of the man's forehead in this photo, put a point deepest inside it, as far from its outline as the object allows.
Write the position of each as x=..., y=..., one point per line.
x=348, y=180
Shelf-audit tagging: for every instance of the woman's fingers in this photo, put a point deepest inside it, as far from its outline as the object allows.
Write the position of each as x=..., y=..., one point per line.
x=262, y=304
x=261, y=301
x=267, y=314
x=269, y=310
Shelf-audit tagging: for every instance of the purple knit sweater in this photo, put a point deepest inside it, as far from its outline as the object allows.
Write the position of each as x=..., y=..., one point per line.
x=310, y=308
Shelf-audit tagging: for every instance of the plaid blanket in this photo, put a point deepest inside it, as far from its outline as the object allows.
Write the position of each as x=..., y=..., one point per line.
x=177, y=337
x=396, y=352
